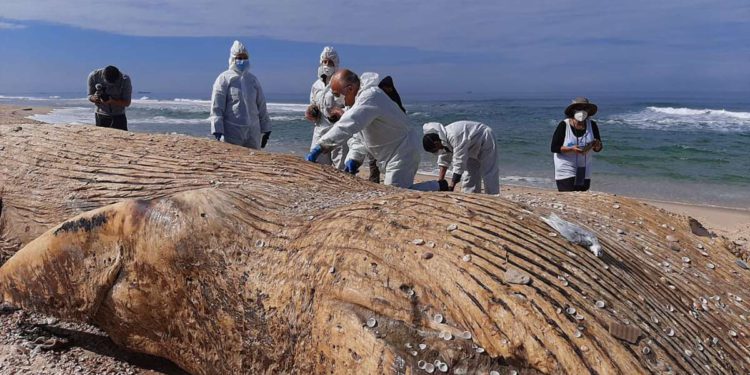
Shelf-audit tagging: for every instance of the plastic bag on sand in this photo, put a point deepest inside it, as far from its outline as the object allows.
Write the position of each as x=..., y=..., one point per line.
x=574, y=233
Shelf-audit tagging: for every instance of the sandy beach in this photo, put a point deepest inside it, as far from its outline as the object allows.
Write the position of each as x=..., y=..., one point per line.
x=18, y=115
x=32, y=342
x=733, y=223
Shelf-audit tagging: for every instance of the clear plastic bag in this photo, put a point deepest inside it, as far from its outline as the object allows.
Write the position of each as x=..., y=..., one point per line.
x=574, y=233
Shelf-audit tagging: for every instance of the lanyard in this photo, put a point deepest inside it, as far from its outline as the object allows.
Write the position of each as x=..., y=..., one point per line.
x=578, y=143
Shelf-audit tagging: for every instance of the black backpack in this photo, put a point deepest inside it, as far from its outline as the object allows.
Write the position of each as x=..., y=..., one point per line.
x=390, y=89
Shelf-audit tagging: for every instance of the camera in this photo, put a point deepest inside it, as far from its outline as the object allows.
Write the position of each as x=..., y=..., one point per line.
x=100, y=93
x=315, y=112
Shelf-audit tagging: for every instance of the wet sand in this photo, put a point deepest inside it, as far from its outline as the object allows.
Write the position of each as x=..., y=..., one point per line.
x=731, y=222
x=18, y=115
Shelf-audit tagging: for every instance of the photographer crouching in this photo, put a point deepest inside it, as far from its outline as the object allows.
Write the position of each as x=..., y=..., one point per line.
x=111, y=91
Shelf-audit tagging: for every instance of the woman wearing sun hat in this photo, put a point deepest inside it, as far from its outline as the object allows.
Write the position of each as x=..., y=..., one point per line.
x=572, y=143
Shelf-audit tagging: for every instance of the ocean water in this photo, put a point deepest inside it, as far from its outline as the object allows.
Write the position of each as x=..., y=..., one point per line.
x=678, y=149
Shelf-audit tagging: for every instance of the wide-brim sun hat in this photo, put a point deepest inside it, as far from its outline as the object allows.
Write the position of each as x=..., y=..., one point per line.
x=581, y=103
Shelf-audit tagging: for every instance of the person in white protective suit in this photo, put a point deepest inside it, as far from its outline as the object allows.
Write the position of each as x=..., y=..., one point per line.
x=470, y=147
x=376, y=125
x=322, y=102
x=238, y=106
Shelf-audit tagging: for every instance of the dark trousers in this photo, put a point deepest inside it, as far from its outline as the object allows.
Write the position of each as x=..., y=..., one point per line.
x=115, y=122
x=374, y=171
x=569, y=184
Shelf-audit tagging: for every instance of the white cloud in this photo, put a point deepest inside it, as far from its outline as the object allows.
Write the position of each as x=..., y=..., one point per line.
x=489, y=45
x=11, y=26
x=443, y=25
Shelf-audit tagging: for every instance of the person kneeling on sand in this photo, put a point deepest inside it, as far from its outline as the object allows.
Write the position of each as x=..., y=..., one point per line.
x=470, y=147
x=572, y=143
x=377, y=126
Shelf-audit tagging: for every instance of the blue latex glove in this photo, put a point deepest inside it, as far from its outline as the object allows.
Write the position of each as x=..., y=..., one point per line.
x=314, y=153
x=351, y=166
x=218, y=136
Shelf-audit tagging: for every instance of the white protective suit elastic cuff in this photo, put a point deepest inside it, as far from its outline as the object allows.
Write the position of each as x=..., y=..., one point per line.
x=218, y=127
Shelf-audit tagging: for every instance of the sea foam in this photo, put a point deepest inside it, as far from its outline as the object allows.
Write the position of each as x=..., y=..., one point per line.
x=68, y=115
x=684, y=119
x=716, y=113
x=152, y=111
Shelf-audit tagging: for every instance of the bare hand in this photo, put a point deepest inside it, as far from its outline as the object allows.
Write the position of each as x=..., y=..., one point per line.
x=575, y=149
x=335, y=112
x=597, y=145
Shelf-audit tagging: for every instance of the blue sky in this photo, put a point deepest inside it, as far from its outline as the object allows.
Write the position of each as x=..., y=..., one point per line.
x=438, y=47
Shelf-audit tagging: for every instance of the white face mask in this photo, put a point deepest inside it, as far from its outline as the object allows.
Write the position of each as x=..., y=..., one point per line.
x=580, y=116
x=326, y=70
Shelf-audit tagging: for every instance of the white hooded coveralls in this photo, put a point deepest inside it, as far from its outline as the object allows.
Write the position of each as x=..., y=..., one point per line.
x=322, y=97
x=238, y=106
x=473, y=154
x=376, y=125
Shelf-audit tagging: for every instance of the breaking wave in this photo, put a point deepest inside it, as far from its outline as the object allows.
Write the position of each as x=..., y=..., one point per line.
x=717, y=113
x=686, y=119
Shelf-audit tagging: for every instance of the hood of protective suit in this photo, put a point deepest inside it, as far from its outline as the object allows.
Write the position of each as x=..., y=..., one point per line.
x=437, y=128
x=367, y=81
x=237, y=48
x=331, y=54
